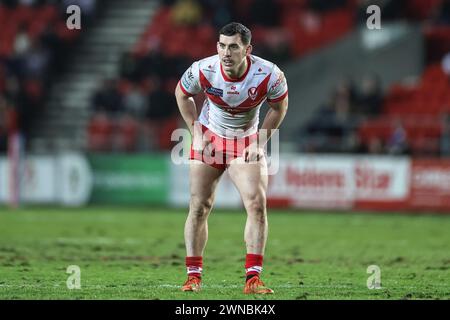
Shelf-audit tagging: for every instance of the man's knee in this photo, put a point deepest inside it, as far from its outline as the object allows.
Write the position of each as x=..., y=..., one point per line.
x=200, y=208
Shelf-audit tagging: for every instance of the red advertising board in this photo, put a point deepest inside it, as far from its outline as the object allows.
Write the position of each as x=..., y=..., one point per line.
x=381, y=183
x=430, y=185
x=312, y=182
x=341, y=182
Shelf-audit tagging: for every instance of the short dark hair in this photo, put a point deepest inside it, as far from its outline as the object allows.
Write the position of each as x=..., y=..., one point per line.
x=234, y=27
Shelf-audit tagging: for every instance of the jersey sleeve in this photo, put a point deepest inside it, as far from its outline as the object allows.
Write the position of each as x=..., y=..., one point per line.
x=278, y=88
x=190, y=81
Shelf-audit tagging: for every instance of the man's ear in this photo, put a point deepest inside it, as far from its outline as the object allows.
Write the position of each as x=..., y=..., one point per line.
x=249, y=49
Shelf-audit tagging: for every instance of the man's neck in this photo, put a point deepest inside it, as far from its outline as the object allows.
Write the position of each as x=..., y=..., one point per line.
x=240, y=71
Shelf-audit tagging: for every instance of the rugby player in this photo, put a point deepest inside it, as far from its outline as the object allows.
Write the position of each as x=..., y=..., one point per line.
x=226, y=137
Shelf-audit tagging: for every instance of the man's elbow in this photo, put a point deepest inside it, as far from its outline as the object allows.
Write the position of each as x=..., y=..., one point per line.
x=285, y=105
x=285, y=108
x=177, y=90
x=179, y=94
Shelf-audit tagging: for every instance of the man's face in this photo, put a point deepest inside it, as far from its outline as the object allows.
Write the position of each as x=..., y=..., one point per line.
x=232, y=52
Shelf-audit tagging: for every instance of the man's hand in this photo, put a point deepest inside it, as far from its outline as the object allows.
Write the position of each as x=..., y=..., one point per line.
x=253, y=153
x=201, y=142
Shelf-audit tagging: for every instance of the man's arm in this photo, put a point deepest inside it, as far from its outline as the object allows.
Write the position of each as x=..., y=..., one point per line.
x=187, y=107
x=273, y=119
x=188, y=110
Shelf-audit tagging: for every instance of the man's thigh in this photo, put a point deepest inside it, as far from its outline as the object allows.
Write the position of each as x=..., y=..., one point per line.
x=250, y=179
x=203, y=179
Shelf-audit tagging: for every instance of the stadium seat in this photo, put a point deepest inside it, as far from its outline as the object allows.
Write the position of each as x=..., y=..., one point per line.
x=100, y=129
x=126, y=135
x=421, y=9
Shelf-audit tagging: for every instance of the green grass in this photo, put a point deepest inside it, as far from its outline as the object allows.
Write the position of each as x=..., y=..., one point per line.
x=138, y=253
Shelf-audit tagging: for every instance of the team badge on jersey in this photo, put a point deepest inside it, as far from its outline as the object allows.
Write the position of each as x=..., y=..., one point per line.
x=252, y=93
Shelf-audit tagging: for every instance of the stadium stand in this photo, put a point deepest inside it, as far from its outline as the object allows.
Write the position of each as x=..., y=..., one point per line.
x=422, y=108
x=409, y=118
x=133, y=109
x=33, y=40
x=185, y=30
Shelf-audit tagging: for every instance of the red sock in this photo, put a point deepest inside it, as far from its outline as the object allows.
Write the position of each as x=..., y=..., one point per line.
x=253, y=264
x=194, y=266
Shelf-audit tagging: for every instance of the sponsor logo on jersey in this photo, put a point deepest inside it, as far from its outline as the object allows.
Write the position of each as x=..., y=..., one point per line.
x=188, y=79
x=278, y=82
x=233, y=90
x=190, y=75
x=260, y=73
x=186, y=83
x=252, y=93
x=209, y=69
x=214, y=91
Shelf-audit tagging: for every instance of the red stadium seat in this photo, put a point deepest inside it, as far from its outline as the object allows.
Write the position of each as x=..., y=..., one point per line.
x=22, y=15
x=421, y=9
x=48, y=14
x=165, y=132
x=100, y=130
x=126, y=135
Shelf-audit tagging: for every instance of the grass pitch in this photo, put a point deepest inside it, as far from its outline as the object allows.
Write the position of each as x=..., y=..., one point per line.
x=138, y=253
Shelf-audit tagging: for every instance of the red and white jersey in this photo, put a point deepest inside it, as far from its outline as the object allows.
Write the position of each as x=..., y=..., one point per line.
x=231, y=107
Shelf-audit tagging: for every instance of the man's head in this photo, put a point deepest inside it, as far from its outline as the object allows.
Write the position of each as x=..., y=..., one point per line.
x=234, y=46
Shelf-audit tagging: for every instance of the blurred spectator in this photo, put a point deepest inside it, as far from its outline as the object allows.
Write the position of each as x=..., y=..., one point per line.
x=375, y=146
x=161, y=118
x=135, y=103
x=156, y=64
x=355, y=144
x=187, y=13
x=36, y=61
x=443, y=13
x=107, y=98
x=3, y=125
x=446, y=65
x=162, y=104
x=21, y=42
x=129, y=66
x=445, y=135
x=346, y=89
x=221, y=11
x=333, y=125
x=322, y=119
x=370, y=98
x=265, y=13
x=276, y=45
x=344, y=99
x=397, y=143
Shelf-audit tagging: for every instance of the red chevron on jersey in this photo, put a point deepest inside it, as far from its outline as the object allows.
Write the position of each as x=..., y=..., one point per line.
x=206, y=86
x=255, y=96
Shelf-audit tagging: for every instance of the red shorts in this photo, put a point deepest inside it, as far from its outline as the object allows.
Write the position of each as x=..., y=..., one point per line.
x=223, y=150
